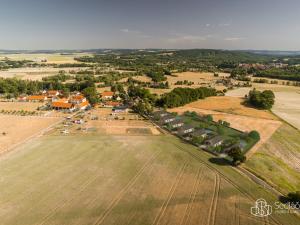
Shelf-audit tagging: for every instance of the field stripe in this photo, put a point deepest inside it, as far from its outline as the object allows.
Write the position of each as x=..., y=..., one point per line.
x=125, y=189
x=170, y=195
x=214, y=203
x=193, y=194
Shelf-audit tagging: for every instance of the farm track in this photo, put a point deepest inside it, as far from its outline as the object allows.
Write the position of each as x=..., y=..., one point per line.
x=164, y=206
x=121, y=194
x=237, y=210
x=241, y=190
x=211, y=219
x=189, y=207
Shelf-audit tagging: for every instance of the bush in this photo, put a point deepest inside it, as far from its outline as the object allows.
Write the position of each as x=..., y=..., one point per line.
x=254, y=135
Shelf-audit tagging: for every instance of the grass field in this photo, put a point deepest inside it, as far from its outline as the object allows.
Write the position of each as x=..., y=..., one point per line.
x=99, y=179
x=278, y=160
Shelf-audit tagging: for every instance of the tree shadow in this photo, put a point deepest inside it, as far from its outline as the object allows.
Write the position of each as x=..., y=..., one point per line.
x=220, y=161
x=284, y=199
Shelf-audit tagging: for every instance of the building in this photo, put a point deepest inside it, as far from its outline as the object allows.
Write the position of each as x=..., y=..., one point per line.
x=36, y=98
x=185, y=129
x=160, y=114
x=77, y=99
x=59, y=105
x=215, y=141
x=176, y=124
x=120, y=109
x=83, y=105
x=200, y=133
x=106, y=95
x=52, y=93
x=167, y=119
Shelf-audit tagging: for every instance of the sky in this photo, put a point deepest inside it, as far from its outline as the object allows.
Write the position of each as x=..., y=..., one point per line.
x=174, y=24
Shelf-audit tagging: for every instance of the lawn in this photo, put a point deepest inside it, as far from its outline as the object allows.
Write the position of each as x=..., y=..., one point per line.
x=99, y=179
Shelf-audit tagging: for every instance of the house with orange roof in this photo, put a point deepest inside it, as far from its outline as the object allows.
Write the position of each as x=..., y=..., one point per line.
x=36, y=98
x=77, y=99
x=52, y=93
x=106, y=95
x=58, y=105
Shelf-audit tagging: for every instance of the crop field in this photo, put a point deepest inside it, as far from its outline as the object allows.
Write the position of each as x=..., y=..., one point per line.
x=100, y=179
x=51, y=58
x=33, y=73
x=16, y=129
x=231, y=105
x=200, y=79
x=278, y=160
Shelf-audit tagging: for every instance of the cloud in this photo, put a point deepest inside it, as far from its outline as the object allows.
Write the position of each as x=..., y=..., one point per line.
x=234, y=39
x=125, y=30
x=208, y=25
x=224, y=24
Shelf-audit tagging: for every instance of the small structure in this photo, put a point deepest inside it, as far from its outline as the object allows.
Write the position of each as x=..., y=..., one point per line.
x=215, y=141
x=120, y=109
x=167, y=119
x=176, y=124
x=200, y=133
x=106, y=95
x=185, y=129
x=36, y=98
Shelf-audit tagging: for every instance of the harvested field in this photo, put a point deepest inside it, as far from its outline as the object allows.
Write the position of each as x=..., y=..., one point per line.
x=231, y=105
x=287, y=101
x=51, y=58
x=278, y=160
x=19, y=128
x=26, y=106
x=287, y=107
x=99, y=179
x=33, y=73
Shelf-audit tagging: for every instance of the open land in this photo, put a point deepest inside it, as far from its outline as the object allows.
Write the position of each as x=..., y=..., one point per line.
x=26, y=106
x=18, y=129
x=109, y=179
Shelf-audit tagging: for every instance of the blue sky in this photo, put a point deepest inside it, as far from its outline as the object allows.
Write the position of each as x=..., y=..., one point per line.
x=220, y=24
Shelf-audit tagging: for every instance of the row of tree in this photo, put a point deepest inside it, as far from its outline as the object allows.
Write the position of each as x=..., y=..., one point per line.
x=181, y=96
